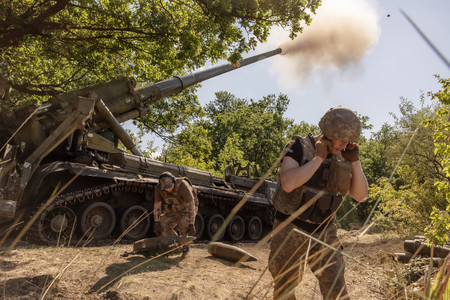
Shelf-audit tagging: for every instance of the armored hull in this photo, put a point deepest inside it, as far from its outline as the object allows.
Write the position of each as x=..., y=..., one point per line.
x=111, y=201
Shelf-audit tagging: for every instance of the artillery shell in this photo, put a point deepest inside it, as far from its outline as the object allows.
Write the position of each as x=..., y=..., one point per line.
x=160, y=244
x=229, y=252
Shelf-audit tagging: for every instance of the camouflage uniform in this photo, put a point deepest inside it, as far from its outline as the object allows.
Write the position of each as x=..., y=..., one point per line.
x=287, y=265
x=170, y=220
x=315, y=203
x=180, y=207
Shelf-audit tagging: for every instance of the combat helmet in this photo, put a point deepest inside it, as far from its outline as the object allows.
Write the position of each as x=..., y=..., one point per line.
x=340, y=123
x=166, y=180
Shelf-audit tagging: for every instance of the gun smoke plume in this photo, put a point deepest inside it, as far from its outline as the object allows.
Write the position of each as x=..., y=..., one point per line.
x=341, y=33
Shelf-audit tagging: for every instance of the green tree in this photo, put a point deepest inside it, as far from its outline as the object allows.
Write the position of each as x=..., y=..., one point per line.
x=259, y=124
x=375, y=154
x=243, y=130
x=231, y=153
x=440, y=218
x=48, y=47
x=410, y=130
x=303, y=129
x=406, y=201
x=191, y=147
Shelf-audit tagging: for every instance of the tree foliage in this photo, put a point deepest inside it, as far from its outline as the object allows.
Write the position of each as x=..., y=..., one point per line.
x=192, y=148
x=407, y=201
x=241, y=129
x=440, y=217
x=48, y=47
x=376, y=154
x=303, y=129
x=376, y=160
x=231, y=153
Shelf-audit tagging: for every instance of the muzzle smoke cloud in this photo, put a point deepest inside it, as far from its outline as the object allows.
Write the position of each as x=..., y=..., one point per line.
x=341, y=33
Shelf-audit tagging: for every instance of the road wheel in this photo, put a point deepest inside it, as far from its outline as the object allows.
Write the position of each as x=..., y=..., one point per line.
x=135, y=222
x=56, y=226
x=97, y=220
x=213, y=223
x=199, y=225
x=236, y=229
x=254, y=228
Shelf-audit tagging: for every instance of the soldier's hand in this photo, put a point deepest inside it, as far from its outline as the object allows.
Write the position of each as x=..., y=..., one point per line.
x=190, y=230
x=351, y=152
x=157, y=228
x=322, y=147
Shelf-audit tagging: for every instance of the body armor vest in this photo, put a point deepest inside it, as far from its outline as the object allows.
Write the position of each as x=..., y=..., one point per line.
x=172, y=201
x=333, y=176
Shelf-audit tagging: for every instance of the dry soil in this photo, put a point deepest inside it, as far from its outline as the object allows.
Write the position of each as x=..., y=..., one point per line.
x=100, y=272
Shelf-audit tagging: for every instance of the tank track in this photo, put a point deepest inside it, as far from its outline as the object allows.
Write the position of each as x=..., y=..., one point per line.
x=90, y=193
x=73, y=198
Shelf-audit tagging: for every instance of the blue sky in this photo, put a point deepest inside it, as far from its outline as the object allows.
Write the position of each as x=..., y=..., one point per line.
x=399, y=64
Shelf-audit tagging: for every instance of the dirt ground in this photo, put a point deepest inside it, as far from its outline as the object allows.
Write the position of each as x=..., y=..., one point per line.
x=100, y=272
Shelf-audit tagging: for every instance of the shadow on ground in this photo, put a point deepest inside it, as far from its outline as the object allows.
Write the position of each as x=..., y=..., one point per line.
x=133, y=265
x=24, y=286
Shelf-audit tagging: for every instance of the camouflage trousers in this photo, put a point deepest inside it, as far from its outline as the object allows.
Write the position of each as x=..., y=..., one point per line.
x=169, y=220
x=287, y=261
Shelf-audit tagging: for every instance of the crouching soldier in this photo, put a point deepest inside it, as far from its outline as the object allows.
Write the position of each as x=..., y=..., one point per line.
x=180, y=206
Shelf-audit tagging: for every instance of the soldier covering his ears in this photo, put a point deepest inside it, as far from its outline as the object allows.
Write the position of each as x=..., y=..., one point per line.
x=180, y=206
x=315, y=173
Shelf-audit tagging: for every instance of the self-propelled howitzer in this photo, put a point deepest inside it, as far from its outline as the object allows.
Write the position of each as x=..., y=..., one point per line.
x=60, y=162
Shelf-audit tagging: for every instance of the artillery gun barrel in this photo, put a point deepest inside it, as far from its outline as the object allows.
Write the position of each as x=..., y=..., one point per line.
x=121, y=101
x=148, y=94
x=176, y=84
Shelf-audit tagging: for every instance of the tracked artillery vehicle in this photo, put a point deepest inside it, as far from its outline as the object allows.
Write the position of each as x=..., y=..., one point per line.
x=61, y=168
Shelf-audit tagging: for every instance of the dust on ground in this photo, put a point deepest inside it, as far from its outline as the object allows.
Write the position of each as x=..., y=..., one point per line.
x=100, y=272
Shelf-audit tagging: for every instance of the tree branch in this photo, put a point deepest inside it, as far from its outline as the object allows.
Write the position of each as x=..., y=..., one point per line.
x=24, y=25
